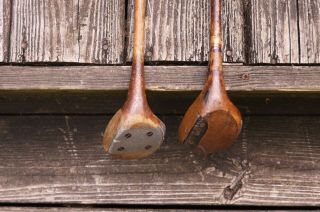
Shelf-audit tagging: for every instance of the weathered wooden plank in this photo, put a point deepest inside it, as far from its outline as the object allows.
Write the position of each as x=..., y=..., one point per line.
x=309, y=25
x=61, y=209
x=102, y=31
x=99, y=208
x=179, y=30
x=56, y=159
x=68, y=31
x=5, y=17
x=160, y=78
x=274, y=31
x=81, y=209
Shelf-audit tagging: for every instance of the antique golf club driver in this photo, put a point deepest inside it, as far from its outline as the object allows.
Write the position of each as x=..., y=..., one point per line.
x=212, y=122
x=134, y=131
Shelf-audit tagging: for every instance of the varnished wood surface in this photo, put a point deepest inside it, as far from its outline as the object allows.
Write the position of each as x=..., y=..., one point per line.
x=135, y=120
x=179, y=30
x=84, y=31
x=60, y=159
x=160, y=78
x=273, y=31
x=212, y=123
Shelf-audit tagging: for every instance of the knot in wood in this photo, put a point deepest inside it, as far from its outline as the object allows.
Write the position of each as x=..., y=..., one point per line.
x=24, y=45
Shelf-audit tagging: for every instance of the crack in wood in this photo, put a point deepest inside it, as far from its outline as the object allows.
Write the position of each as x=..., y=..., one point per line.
x=237, y=183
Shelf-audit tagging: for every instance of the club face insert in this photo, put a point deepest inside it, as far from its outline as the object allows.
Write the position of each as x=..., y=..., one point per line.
x=133, y=142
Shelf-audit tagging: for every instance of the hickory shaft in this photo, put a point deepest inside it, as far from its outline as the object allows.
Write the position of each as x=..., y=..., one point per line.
x=136, y=94
x=215, y=82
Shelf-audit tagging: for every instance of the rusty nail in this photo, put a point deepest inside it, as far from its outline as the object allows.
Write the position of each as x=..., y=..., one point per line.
x=245, y=76
x=149, y=54
x=268, y=100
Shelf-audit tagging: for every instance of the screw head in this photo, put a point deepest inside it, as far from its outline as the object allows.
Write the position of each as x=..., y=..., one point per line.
x=245, y=76
x=128, y=135
x=268, y=100
x=149, y=54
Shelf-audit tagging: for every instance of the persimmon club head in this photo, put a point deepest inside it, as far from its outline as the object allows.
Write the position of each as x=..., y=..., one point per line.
x=208, y=128
x=212, y=122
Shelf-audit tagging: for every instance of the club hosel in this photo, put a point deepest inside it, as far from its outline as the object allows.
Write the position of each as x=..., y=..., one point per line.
x=137, y=100
x=215, y=64
x=215, y=82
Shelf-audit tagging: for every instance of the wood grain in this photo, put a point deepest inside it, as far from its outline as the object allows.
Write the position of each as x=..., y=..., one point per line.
x=5, y=18
x=67, y=31
x=59, y=159
x=85, y=208
x=102, y=31
x=160, y=78
x=309, y=24
x=54, y=208
x=179, y=30
x=274, y=31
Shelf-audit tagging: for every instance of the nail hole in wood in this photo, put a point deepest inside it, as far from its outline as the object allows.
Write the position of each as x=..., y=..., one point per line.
x=120, y=149
x=148, y=147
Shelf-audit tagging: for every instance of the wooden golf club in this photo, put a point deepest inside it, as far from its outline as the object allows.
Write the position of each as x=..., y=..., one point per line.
x=134, y=131
x=212, y=122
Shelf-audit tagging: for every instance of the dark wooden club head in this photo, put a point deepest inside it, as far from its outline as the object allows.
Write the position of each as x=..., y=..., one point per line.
x=134, y=131
x=212, y=122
